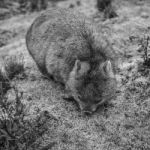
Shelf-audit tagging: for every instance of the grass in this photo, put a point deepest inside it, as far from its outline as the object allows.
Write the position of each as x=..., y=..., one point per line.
x=4, y=83
x=109, y=12
x=102, y=5
x=11, y=67
x=18, y=130
x=136, y=111
x=106, y=7
x=145, y=48
x=14, y=65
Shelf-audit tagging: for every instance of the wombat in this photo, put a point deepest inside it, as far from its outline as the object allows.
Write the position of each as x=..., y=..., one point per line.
x=67, y=48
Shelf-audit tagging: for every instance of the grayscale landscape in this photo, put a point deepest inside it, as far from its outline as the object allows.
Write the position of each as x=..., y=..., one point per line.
x=33, y=113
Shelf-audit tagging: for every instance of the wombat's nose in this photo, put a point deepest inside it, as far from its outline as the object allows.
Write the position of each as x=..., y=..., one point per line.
x=86, y=112
x=89, y=110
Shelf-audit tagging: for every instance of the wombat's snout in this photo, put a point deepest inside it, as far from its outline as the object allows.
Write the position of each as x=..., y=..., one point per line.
x=89, y=110
x=87, y=113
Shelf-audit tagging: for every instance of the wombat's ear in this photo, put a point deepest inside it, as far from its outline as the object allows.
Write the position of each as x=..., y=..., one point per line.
x=81, y=68
x=107, y=70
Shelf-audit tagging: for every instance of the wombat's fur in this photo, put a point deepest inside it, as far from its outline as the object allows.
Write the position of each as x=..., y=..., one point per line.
x=67, y=48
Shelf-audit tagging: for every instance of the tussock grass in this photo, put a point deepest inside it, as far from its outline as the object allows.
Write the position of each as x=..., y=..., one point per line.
x=103, y=4
x=14, y=65
x=106, y=7
x=4, y=83
x=145, y=48
x=11, y=67
x=109, y=12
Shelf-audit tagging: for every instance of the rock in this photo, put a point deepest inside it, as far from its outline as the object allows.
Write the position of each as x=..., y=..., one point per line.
x=144, y=15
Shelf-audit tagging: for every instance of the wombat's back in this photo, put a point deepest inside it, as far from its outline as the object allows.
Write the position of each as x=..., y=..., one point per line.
x=56, y=28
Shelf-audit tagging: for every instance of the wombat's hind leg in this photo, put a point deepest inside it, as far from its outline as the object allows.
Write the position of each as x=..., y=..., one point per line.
x=49, y=77
x=45, y=73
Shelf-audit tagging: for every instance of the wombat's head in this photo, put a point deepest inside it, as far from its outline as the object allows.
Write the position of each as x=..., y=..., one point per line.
x=91, y=86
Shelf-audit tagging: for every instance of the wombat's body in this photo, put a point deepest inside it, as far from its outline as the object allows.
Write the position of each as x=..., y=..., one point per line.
x=66, y=48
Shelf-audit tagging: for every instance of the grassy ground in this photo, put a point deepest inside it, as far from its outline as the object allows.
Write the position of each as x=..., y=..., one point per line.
x=125, y=123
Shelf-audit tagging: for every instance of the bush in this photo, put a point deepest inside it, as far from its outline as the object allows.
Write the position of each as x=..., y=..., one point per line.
x=12, y=7
x=11, y=67
x=33, y=5
x=109, y=12
x=145, y=48
x=18, y=131
x=103, y=4
x=4, y=83
x=14, y=65
x=106, y=7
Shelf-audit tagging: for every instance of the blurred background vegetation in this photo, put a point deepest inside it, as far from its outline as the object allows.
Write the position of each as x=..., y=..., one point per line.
x=13, y=7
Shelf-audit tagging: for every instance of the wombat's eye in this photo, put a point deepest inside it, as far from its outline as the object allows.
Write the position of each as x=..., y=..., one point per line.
x=79, y=96
x=96, y=100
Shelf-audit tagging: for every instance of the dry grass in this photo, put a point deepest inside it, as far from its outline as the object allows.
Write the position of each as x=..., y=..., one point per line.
x=102, y=5
x=4, y=83
x=145, y=48
x=107, y=8
x=11, y=67
x=14, y=65
x=110, y=12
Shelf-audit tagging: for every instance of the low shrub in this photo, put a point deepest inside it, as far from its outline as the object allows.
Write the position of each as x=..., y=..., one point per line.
x=10, y=68
x=18, y=130
x=145, y=49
